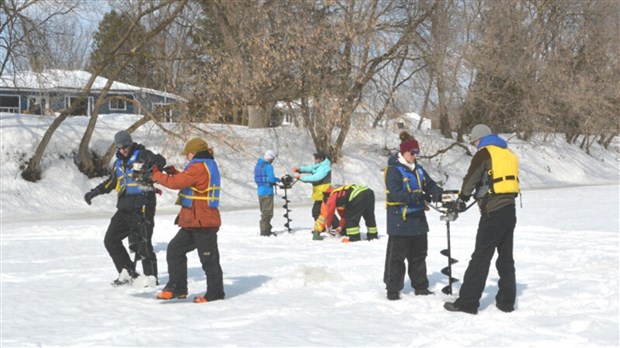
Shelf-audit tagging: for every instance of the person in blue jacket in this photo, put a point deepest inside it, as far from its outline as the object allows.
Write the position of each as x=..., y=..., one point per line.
x=265, y=182
x=408, y=187
x=320, y=177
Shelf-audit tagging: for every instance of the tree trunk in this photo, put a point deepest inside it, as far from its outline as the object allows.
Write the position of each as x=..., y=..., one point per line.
x=259, y=116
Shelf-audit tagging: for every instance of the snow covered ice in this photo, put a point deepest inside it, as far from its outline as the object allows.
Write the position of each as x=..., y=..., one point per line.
x=290, y=290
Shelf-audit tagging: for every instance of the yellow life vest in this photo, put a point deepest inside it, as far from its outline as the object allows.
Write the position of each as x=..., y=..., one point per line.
x=504, y=173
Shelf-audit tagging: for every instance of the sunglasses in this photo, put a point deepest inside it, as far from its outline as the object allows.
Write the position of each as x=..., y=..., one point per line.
x=124, y=147
x=414, y=152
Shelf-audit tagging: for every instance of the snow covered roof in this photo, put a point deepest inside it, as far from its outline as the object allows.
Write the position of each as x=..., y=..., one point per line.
x=55, y=79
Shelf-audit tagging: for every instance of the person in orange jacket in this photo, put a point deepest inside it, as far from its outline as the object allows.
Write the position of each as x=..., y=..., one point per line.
x=352, y=203
x=199, y=219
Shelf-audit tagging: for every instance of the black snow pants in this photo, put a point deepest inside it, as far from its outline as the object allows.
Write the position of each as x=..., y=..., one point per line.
x=138, y=228
x=413, y=249
x=495, y=231
x=186, y=240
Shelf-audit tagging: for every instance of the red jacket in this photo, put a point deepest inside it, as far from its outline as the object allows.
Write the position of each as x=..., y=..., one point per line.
x=200, y=215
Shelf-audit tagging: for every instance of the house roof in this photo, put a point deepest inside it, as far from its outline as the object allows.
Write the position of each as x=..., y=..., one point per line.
x=54, y=79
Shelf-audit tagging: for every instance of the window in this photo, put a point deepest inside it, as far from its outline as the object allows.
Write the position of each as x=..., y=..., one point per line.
x=164, y=110
x=118, y=104
x=9, y=103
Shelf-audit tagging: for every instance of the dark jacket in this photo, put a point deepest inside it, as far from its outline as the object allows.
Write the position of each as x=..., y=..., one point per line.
x=131, y=202
x=481, y=164
x=413, y=224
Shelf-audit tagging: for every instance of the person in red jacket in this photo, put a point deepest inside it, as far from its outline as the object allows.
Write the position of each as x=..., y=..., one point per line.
x=199, y=219
x=352, y=203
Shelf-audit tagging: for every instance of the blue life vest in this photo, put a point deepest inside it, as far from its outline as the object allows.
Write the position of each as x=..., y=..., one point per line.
x=189, y=194
x=260, y=177
x=125, y=182
x=412, y=182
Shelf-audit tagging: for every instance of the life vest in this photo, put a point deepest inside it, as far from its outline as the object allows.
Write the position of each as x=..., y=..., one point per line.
x=260, y=177
x=211, y=194
x=342, y=195
x=125, y=183
x=503, y=177
x=413, y=181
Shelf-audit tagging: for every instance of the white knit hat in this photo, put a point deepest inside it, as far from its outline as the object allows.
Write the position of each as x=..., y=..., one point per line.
x=269, y=155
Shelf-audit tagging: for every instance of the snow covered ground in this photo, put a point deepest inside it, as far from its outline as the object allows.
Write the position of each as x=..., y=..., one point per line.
x=290, y=290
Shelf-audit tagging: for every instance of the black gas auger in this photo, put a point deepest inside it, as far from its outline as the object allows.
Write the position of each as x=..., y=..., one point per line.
x=286, y=182
x=449, y=207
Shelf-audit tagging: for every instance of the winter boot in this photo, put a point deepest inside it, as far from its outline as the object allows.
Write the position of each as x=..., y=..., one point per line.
x=423, y=292
x=316, y=236
x=209, y=298
x=504, y=307
x=371, y=236
x=170, y=292
x=126, y=277
x=354, y=237
x=393, y=295
x=453, y=307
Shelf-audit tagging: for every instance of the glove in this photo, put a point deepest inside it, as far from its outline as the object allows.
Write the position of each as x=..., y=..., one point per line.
x=88, y=197
x=464, y=198
x=171, y=170
x=461, y=206
x=297, y=176
x=416, y=197
x=295, y=169
x=436, y=196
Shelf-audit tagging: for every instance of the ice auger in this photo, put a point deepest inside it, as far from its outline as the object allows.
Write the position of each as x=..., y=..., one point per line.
x=286, y=182
x=449, y=207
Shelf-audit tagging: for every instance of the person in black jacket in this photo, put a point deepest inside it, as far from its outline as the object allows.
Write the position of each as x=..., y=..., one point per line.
x=408, y=186
x=135, y=210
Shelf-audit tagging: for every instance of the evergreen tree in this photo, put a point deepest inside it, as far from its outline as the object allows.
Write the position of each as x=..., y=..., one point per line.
x=111, y=29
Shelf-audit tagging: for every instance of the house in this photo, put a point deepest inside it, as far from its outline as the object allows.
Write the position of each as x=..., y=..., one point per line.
x=49, y=92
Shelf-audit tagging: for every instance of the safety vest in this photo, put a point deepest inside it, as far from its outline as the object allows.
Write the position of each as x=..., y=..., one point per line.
x=211, y=194
x=351, y=189
x=125, y=182
x=503, y=177
x=412, y=182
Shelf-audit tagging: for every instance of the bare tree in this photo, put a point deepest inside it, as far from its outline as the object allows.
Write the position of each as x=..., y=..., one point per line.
x=84, y=158
x=26, y=27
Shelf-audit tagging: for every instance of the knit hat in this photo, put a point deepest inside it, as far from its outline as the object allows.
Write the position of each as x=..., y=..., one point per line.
x=409, y=145
x=269, y=155
x=122, y=139
x=479, y=131
x=194, y=146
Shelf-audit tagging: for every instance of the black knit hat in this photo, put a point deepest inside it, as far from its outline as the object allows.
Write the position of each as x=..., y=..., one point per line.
x=122, y=139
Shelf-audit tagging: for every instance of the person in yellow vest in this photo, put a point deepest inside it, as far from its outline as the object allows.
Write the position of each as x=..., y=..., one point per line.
x=494, y=176
x=352, y=203
x=199, y=219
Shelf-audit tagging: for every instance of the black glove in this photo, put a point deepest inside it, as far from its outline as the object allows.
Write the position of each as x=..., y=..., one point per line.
x=460, y=205
x=88, y=197
x=436, y=195
x=416, y=198
x=464, y=198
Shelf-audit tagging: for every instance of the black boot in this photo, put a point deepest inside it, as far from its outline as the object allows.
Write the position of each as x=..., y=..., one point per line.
x=393, y=295
x=423, y=292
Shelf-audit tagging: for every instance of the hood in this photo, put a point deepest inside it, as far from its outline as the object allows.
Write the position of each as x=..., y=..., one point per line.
x=492, y=139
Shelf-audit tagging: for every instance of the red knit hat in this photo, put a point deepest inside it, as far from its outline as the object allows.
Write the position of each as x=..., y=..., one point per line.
x=409, y=145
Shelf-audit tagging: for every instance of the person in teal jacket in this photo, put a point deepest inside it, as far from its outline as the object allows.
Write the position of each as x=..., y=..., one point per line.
x=320, y=177
x=265, y=181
